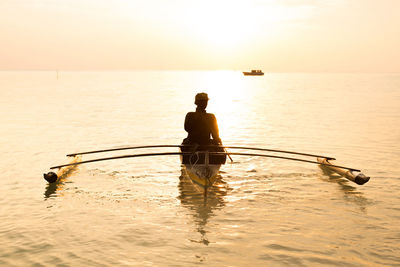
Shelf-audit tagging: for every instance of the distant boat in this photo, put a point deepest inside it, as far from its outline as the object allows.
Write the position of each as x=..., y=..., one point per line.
x=253, y=72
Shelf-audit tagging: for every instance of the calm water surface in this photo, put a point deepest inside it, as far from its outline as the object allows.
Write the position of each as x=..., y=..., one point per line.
x=138, y=212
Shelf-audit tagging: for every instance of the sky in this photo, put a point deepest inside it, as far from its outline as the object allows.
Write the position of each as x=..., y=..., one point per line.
x=273, y=35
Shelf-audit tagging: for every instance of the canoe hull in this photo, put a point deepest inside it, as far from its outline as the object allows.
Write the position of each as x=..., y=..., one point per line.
x=201, y=167
x=202, y=176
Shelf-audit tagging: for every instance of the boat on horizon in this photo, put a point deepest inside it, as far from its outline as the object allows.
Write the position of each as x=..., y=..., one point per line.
x=253, y=73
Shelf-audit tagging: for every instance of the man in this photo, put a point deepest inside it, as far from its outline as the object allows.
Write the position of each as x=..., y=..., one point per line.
x=200, y=124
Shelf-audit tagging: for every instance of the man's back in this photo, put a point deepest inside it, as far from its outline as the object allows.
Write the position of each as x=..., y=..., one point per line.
x=200, y=125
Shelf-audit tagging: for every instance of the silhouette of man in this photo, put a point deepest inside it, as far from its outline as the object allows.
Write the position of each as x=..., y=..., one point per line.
x=200, y=124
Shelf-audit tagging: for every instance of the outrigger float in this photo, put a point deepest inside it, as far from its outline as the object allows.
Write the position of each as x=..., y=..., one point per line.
x=202, y=163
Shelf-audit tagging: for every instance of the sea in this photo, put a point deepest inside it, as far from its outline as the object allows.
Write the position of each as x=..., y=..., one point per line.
x=143, y=212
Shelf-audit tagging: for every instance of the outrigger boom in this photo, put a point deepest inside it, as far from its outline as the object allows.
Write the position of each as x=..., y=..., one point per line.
x=206, y=151
x=181, y=146
x=189, y=153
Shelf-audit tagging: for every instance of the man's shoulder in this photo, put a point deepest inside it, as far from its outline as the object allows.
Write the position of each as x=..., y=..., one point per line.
x=211, y=115
x=199, y=115
x=190, y=114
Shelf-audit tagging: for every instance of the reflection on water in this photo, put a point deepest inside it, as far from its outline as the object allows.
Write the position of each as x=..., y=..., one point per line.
x=201, y=207
x=52, y=188
x=56, y=189
x=351, y=193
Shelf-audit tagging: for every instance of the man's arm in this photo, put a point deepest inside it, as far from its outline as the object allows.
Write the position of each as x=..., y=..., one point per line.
x=188, y=122
x=214, y=129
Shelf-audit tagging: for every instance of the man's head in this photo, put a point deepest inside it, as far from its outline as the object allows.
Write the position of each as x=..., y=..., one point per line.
x=201, y=100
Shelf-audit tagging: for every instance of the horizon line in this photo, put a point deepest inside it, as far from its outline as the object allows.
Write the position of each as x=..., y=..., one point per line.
x=188, y=70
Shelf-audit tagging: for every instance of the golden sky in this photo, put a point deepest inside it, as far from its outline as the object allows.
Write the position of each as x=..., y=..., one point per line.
x=273, y=35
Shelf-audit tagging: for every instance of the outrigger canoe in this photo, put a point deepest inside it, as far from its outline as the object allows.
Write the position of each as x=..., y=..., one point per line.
x=202, y=163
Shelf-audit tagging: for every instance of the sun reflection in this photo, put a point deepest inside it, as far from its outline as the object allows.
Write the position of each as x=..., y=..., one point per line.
x=227, y=93
x=202, y=208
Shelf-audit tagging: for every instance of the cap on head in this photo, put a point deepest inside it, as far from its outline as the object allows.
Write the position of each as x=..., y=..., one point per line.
x=201, y=97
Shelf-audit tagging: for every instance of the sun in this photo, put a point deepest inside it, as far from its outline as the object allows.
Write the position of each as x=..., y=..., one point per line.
x=221, y=24
x=231, y=26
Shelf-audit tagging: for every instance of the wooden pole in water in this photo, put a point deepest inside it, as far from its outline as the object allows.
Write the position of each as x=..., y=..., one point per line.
x=52, y=177
x=287, y=158
x=122, y=157
x=359, y=178
x=121, y=148
x=280, y=151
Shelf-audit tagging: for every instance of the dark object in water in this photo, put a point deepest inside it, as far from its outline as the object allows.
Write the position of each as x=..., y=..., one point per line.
x=50, y=177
